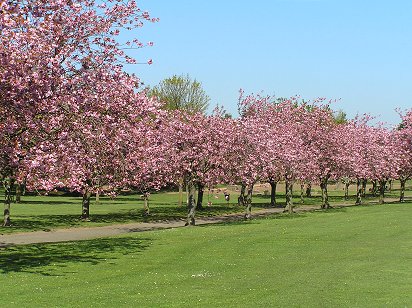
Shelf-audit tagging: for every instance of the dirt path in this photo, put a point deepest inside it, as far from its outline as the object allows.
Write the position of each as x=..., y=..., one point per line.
x=85, y=233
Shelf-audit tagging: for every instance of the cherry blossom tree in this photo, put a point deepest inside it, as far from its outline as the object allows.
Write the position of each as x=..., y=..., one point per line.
x=403, y=137
x=323, y=136
x=373, y=155
x=52, y=54
x=356, y=142
x=249, y=152
x=196, y=151
x=384, y=164
x=279, y=150
x=147, y=164
x=96, y=150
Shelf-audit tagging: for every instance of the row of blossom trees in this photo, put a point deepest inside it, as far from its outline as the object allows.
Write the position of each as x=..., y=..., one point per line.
x=272, y=140
x=302, y=142
x=71, y=117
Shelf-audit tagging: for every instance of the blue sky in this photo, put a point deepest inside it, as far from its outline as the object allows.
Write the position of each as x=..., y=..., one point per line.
x=357, y=51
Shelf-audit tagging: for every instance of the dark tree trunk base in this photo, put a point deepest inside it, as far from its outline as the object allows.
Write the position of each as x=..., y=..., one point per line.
x=364, y=182
x=402, y=195
x=86, y=206
x=7, y=221
x=358, y=192
x=242, y=197
x=289, y=196
x=374, y=187
x=309, y=190
x=382, y=186
x=302, y=192
x=146, y=209
x=191, y=205
x=248, y=202
x=199, y=204
x=347, y=191
x=325, y=196
x=273, y=185
x=190, y=223
x=18, y=192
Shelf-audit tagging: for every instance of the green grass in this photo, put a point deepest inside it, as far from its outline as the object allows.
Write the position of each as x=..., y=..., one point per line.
x=51, y=212
x=347, y=257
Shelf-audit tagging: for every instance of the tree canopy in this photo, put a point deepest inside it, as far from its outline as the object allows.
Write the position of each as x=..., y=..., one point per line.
x=181, y=93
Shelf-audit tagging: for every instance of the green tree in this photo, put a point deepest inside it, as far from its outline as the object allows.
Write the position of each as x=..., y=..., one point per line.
x=340, y=117
x=181, y=93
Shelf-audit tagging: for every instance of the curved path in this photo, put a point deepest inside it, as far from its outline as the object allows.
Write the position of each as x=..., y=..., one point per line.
x=85, y=233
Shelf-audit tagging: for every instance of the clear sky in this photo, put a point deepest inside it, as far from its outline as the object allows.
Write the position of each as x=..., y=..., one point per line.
x=358, y=51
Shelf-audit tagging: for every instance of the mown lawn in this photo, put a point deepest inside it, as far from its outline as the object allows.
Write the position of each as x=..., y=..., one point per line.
x=348, y=257
x=50, y=212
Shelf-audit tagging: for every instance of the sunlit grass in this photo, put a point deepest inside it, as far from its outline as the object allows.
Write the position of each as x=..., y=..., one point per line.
x=50, y=212
x=346, y=257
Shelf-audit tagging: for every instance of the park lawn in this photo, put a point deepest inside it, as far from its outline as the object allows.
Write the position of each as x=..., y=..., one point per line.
x=348, y=257
x=50, y=212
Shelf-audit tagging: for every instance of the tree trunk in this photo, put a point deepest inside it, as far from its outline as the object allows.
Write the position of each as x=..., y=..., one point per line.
x=248, y=202
x=325, y=197
x=358, y=192
x=364, y=182
x=146, y=209
x=273, y=185
x=191, y=204
x=302, y=192
x=187, y=194
x=86, y=205
x=309, y=190
x=346, y=181
x=382, y=185
x=289, y=196
x=180, y=197
x=23, y=188
x=374, y=187
x=347, y=190
x=7, y=202
x=199, y=205
x=403, y=184
x=241, y=198
x=97, y=197
x=18, y=192
x=8, y=198
x=390, y=185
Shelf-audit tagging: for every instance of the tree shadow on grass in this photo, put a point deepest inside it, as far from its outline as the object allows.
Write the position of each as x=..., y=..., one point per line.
x=123, y=216
x=49, y=222
x=230, y=222
x=276, y=216
x=43, y=222
x=239, y=221
x=48, y=202
x=261, y=204
x=137, y=215
x=288, y=216
x=38, y=257
x=217, y=210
